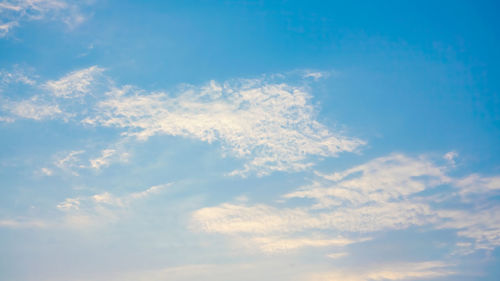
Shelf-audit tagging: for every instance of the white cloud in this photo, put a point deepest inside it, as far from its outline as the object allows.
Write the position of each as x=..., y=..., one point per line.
x=383, y=194
x=270, y=125
x=7, y=119
x=85, y=211
x=262, y=219
x=108, y=156
x=481, y=226
x=267, y=122
x=17, y=75
x=75, y=84
x=69, y=204
x=399, y=271
x=33, y=108
x=70, y=161
x=14, y=12
x=22, y=223
x=316, y=75
x=6, y=27
x=381, y=180
x=451, y=156
x=103, y=160
x=270, y=244
x=337, y=255
x=476, y=184
x=46, y=171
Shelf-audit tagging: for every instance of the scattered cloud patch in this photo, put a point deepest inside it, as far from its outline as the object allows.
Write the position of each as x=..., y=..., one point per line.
x=17, y=75
x=14, y=12
x=103, y=160
x=70, y=161
x=102, y=208
x=7, y=119
x=387, y=193
x=267, y=122
x=482, y=227
x=75, y=84
x=46, y=171
x=33, y=109
x=451, y=157
x=316, y=75
x=270, y=125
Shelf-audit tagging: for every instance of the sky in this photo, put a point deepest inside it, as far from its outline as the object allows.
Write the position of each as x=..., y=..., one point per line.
x=249, y=140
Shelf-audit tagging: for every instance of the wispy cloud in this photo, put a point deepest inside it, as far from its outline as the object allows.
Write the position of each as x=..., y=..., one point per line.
x=270, y=244
x=103, y=160
x=75, y=84
x=102, y=208
x=33, y=108
x=398, y=271
x=16, y=75
x=70, y=161
x=22, y=223
x=271, y=125
x=268, y=122
x=14, y=12
x=337, y=255
x=481, y=226
x=386, y=193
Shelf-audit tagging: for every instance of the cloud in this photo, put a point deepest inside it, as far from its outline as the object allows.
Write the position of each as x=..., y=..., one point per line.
x=270, y=125
x=109, y=155
x=476, y=184
x=275, y=270
x=380, y=180
x=14, y=12
x=269, y=244
x=6, y=27
x=267, y=122
x=17, y=75
x=46, y=171
x=102, y=208
x=33, y=108
x=70, y=161
x=399, y=271
x=387, y=193
x=103, y=160
x=262, y=219
x=481, y=226
x=316, y=75
x=75, y=84
x=337, y=255
x=22, y=223
x=7, y=119
x=451, y=157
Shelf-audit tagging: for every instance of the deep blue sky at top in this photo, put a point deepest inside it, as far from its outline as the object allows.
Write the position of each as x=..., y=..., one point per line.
x=432, y=64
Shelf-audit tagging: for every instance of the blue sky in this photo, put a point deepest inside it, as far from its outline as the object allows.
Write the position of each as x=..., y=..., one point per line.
x=249, y=140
